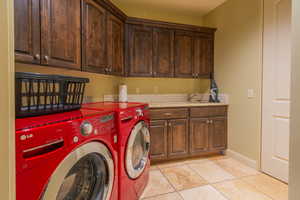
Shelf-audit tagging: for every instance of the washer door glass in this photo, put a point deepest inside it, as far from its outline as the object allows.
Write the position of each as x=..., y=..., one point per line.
x=87, y=173
x=87, y=180
x=137, y=152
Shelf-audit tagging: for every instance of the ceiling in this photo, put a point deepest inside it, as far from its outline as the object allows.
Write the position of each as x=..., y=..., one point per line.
x=195, y=8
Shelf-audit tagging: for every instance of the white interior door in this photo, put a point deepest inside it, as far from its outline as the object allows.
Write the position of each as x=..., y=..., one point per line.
x=276, y=88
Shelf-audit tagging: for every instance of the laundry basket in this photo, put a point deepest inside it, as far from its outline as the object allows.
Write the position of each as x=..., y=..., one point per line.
x=41, y=94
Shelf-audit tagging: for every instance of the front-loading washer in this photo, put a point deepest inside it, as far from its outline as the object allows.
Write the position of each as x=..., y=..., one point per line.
x=133, y=146
x=67, y=156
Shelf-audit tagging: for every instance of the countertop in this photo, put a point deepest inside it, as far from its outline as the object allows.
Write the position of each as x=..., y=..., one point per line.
x=183, y=104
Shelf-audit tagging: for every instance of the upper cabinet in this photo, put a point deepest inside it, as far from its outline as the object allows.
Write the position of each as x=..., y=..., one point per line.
x=41, y=29
x=102, y=39
x=27, y=31
x=163, y=52
x=184, y=54
x=140, y=41
x=203, y=55
x=160, y=49
x=94, y=37
x=60, y=33
x=115, y=44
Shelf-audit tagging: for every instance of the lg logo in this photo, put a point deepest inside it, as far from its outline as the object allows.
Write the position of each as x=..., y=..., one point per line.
x=26, y=137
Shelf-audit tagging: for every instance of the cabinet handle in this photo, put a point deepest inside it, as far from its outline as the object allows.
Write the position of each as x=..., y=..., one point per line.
x=166, y=124
x=46, y=58
x=168, y=114
x=170, y=124
x=37, y=57
x=211, y=121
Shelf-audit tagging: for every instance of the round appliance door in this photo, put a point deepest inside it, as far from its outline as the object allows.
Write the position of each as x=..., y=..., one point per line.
x=87, y=173
x=137, y=151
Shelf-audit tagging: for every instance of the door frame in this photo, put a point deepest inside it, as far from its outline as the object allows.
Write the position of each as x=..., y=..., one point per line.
x=7, y=114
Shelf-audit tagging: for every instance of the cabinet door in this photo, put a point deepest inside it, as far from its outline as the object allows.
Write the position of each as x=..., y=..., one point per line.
x=140, y=51
x=94, y=48
x=178, y=138
x=163, y=56
x=159, y=140
x=60, y=33
x=27, y=31
x=183, y=54
x=199, y=132
x=218, y=133
x=115, y=46
x=203, y=56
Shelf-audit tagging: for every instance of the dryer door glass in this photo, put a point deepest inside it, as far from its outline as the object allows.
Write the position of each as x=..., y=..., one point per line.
x=87, y=173
x=137, y=152
x=87, y=180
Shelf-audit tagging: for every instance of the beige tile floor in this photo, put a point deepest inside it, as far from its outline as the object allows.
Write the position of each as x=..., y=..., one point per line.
x=211, y=178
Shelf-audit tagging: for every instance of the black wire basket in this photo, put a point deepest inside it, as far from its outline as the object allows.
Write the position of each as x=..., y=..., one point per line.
x=41, y=94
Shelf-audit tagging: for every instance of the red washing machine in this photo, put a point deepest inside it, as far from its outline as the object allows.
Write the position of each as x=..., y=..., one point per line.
x=134, y=145
x=67, y=156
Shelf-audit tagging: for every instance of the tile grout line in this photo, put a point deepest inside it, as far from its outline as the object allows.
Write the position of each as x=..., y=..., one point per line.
x=221, y=193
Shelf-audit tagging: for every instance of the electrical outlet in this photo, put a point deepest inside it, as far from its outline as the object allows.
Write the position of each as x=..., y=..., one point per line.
x=251, y=93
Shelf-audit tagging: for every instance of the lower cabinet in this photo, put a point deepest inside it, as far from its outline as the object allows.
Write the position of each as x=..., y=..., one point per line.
x=170, y=139
x=178, y=138
x=159, y=136
x=192, y=136
x=218, y=133
x=199, y=133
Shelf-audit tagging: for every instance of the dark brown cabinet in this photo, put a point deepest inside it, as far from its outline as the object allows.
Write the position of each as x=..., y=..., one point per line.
x=60, y=33
x=27, y=31
x=115, y=45
x=183, y=54
x=178, y=138
x=159, y=134
x=94, y=49
x=163, y=52
x=41, y=31
x=199, y=136
x=103, y=40
x=218, y=133
x=96, y=36
x=184, y=132
x=140, y=51
x=203, y=56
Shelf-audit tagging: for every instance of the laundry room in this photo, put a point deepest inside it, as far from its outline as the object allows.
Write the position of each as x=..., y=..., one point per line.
x=149, y=100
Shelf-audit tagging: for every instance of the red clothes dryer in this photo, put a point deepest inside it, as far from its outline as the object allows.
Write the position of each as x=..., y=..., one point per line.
x=133, y=146
x=69, y=155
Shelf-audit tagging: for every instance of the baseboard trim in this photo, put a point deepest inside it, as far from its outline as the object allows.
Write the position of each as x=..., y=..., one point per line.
x=244, y=159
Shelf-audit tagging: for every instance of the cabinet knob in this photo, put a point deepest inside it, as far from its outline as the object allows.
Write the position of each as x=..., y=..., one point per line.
x=166, y=123
x=37, y=57
x=207, y=121
x=170, y=124
x=211, y=121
